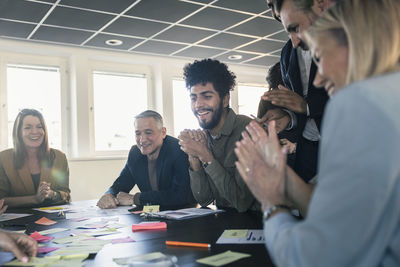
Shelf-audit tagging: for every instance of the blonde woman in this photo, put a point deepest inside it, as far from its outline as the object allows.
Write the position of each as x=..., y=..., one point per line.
x=31, y=173
x=353, y=216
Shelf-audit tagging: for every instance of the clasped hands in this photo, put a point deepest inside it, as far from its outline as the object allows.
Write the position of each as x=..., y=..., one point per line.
x=44, y=192
x=194, y=143
x=262, y=164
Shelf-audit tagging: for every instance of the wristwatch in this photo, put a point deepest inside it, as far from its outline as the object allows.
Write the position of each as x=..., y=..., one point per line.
x=271, y=210
x=205, y=164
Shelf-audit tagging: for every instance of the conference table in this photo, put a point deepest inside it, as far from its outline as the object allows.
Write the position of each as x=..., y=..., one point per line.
x=205, y=229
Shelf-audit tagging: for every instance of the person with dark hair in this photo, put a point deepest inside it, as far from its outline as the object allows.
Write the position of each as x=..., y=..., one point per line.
x=156, y=165
x=297, y=94
x=287, y=138
x=32, y=173
x=353, y=214
x=213, y=176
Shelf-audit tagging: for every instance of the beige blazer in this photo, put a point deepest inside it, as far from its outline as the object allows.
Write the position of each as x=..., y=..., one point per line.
x=14, y=183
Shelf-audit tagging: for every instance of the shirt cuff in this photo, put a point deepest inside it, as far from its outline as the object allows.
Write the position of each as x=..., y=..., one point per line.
x=273, y=226
x=308, y=111
x=293, y=119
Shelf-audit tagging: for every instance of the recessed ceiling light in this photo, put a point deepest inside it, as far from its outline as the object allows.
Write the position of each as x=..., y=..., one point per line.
x=114, y=42
x=235, y=57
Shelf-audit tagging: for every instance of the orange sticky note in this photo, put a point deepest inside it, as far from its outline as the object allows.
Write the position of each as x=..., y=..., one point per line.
x=149, y=226
x=45, y=221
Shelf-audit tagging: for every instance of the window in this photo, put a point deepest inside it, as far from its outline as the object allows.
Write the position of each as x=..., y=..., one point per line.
x=183, y=115
x=249, y=98
x=118, y=98
x=36, y=87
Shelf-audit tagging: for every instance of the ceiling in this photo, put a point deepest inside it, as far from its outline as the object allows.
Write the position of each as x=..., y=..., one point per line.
x=176, y=28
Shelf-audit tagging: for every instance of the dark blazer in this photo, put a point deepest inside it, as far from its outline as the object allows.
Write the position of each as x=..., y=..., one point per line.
x=316, y=97
x=172, y=176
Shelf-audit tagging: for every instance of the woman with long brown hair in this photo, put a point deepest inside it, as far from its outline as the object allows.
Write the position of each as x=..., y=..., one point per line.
x=32, y=173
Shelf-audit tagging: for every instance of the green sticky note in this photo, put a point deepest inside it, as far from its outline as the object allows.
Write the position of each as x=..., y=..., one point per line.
x=235, y=233
x=223, y=258
x=52, y=231
x=151, y=209
x=34, y=261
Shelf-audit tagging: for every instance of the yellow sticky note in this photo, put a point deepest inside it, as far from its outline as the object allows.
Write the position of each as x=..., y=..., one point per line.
x=150, y=209
x=223, y=258
x=235, y=233
x=51, y=208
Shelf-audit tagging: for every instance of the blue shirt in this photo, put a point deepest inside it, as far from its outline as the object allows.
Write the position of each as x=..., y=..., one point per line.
x=354, y=214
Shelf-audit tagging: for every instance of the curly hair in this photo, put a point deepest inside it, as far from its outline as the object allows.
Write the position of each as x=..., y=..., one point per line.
x=212, y=71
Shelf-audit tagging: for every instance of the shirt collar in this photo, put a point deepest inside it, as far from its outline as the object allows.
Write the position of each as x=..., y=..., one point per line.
x=228, y=125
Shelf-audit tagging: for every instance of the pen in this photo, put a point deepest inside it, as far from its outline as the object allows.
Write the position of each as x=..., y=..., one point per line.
x=50, y=208
x=259, y=121
x=187, y=244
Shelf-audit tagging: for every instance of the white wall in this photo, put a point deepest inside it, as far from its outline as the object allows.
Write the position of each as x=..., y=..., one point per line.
x=89, y=179
x=90, y=176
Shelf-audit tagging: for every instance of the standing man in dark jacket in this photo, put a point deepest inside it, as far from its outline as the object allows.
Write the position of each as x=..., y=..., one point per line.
x=298, y=95
x=156, y=164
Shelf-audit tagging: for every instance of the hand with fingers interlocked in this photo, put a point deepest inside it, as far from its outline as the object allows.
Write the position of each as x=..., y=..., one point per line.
x=194, y=143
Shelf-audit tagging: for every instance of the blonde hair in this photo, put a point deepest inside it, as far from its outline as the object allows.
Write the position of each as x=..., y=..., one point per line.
x=371, y=30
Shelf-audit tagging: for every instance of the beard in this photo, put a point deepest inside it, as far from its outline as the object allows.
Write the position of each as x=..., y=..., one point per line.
x=215, y=119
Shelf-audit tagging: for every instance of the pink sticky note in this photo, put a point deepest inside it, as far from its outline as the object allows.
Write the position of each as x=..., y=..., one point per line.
x=80, y=219
x=122, y=240
x=40, y=238
x=45, y=221
x=46, y=249
x=149, y=226
x=137, y=212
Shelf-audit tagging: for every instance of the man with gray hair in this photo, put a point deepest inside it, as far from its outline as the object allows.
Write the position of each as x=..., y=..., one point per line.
x=156, y=164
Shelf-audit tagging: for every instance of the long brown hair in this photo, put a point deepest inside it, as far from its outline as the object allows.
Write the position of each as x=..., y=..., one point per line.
x=20, y=152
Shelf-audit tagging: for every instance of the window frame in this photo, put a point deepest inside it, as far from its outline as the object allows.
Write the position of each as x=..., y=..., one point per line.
x=114, y=68
x=32, y=60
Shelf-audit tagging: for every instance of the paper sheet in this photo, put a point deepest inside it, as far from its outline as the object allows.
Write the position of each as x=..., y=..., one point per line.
x=253, y=236
x=52, y=231
x=140, y=258
x=11, y=216
x=223, y=258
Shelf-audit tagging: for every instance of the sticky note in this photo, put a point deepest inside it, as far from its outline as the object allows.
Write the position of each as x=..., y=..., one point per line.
x=122, y=240
x=52, y=231
x=45, y=221
x=223, y=258
x=46, y=249
x=235, y=233
x=40, y=238
x=149, y=226
x=151, y=209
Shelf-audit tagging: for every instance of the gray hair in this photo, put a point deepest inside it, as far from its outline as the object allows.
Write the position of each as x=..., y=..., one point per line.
x=151, y=114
